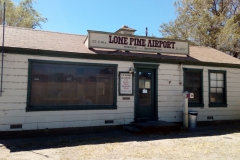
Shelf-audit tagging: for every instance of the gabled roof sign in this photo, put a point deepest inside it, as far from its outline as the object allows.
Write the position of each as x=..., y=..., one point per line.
x=117, y=41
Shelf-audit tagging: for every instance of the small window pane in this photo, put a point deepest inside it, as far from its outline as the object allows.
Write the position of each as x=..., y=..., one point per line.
x=220, y=83
x=213, y=90
x=213, y=76
x=219, y=98
x=213, y=97
x=219, y=90
x=213, y=83
x=220, y=76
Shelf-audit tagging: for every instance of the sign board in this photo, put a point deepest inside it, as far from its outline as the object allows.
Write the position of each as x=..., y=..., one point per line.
x=191, y=95
x=97, y=39
x=186, y=94
x=125, y=83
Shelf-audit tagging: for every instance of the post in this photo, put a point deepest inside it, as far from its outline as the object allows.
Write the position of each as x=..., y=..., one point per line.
x=185, y=113
x=185, y=109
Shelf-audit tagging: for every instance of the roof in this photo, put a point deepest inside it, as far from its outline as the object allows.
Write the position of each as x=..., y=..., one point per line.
x=25, y=38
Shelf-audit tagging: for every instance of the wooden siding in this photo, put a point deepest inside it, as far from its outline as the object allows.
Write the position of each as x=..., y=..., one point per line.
x=13, y=101
x=170, y=101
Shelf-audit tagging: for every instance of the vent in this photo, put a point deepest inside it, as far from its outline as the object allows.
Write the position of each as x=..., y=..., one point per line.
x=209, y=117
x=125, y=98
x=108, y=121
x=16, y=126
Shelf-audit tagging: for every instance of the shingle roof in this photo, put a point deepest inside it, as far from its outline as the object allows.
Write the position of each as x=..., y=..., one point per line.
x=53, y=41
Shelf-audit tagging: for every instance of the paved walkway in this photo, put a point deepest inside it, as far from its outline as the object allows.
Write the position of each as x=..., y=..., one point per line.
x=221, y=142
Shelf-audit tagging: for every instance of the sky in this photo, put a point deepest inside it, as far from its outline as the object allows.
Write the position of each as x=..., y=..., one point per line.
x=78, y=16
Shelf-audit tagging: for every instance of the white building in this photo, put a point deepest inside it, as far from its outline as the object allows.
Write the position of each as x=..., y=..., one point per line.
x=57, y=80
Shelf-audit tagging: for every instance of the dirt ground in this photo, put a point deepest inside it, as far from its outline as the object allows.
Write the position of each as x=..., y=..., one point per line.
x=221, y=142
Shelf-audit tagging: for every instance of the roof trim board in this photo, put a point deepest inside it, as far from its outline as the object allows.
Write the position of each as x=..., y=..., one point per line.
x=24, y=51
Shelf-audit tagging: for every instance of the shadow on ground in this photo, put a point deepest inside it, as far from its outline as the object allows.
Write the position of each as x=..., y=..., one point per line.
x=117, y=135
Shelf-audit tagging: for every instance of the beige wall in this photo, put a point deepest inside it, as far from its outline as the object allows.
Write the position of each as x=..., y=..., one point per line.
x=13, y=101
x=170, y=102
x=170, y=91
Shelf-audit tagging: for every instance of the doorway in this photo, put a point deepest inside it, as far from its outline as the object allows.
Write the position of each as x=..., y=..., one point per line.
x=146, y=93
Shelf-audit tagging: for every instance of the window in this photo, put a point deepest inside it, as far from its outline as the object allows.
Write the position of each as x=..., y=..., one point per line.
x=217, y=89
x=66, y=86
x=193, y=83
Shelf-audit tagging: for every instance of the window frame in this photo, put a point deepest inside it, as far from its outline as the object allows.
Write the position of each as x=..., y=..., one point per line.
x=192, y=104
x=215, y=104
x=30, y=108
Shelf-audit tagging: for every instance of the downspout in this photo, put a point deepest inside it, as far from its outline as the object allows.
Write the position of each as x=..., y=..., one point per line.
x=1, y=90
x=185, y=101
x=180, y=76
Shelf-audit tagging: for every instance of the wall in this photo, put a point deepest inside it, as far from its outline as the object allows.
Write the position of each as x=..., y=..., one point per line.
x=170, y=101
x=13, y=101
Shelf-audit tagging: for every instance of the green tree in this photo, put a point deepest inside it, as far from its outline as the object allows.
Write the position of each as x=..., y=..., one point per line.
x=22, y=15
x=212, y=23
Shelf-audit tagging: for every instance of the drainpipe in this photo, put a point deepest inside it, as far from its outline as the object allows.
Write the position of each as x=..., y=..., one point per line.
x=180, y=76
x=186, y=95
x=1, y=91
x=185, y=109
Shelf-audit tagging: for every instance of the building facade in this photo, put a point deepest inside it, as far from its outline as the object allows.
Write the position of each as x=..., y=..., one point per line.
x=56, y=80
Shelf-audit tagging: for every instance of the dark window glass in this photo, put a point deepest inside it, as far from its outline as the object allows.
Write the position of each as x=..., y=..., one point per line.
x=145, y=89
x=217, y=88
x=57, y=84
x=193, y=84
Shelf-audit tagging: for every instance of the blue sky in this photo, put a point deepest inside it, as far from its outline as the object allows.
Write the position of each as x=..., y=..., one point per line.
x=77, y=16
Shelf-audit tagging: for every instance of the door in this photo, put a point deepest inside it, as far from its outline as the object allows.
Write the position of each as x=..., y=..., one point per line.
x=145, y=104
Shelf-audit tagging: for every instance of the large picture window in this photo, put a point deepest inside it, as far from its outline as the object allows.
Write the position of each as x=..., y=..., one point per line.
x=193, y=83
x=62, y=85
x=217, y=88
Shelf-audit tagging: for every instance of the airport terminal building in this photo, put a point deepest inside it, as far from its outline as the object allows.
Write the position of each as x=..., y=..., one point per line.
x=58, y=80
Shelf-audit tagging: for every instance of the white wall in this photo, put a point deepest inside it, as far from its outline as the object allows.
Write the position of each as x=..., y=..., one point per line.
x=13, y=101
x=170, y=101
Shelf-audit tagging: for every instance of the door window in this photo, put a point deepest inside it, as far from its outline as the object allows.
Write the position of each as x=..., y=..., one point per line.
x=145, y=89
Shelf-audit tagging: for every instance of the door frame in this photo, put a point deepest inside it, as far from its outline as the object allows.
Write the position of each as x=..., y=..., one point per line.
x=154, y=67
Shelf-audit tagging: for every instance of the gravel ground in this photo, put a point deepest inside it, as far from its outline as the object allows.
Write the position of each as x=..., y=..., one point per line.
x=221, y=142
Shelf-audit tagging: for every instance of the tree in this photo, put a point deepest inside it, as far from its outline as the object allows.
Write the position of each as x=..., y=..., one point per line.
x=212, y=23
x=22, y=15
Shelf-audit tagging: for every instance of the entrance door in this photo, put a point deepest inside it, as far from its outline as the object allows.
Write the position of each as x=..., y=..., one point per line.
x=145, y=104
